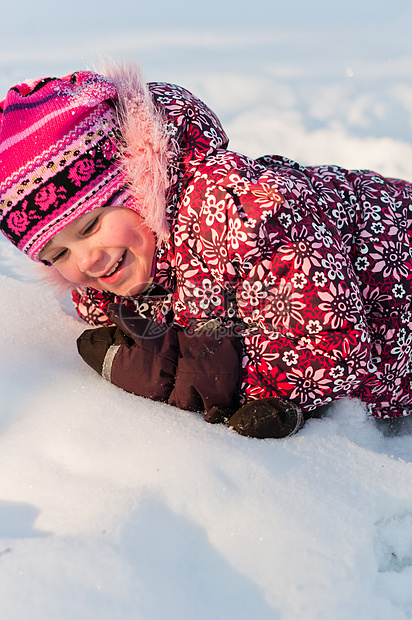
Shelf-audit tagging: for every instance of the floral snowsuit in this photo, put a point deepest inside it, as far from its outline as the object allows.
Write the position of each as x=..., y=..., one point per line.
x=309, y=266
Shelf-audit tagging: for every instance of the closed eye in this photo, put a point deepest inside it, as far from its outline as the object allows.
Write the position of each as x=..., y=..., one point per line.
x=58, y=256
x=90, y=227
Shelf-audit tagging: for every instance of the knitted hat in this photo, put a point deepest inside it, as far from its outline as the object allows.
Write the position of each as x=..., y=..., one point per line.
x=59, y=141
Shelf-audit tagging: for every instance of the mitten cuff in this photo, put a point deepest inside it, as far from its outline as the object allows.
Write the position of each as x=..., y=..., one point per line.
x=108, y=362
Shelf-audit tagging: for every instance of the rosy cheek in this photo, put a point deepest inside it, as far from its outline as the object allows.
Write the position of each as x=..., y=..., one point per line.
x=71, y=273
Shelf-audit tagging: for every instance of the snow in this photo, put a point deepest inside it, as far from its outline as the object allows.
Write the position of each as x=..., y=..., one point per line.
x=114, y=507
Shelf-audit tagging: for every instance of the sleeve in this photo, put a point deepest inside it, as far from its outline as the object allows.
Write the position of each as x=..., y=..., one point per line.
x=295, y=295
x=91, y=305
x=308, y=339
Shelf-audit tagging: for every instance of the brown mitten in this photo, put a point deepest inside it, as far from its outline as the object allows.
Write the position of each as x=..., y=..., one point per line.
x=267, y=418
x=136, y=354
x=93, y=344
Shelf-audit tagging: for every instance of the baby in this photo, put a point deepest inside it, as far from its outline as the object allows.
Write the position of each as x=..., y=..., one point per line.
x=254, y=290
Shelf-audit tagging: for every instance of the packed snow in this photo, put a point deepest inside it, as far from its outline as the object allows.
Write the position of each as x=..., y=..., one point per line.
x=114, y=507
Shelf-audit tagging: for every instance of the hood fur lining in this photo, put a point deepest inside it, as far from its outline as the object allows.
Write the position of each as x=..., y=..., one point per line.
x=147, y=151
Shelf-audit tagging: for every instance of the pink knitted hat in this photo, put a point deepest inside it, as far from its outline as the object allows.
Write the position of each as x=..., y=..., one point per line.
x=59, y=141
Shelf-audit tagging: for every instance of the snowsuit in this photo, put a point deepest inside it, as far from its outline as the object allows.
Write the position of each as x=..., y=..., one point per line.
x=309, y=267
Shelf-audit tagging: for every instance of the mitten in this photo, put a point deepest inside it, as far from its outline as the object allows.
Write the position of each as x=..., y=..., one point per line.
x=195, y=371
x=148, y=367
x=267, y=418
x=93, y=344
x=136, y=354
x=206, y=368
x=207, y=373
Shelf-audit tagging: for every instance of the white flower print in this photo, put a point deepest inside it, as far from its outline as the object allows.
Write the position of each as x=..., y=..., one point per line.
x=308, y=383
x=213, y=137
x=337, y=306
x=252, y=294
x=362, y=263
x=193, y=307
x=314, y=327
x=391, y=259
x=319, y=278
x=250, y=223
x=398, y=291
x=307, y=292
x=240, y=186
x=346, y=384
x=371, y=211
x=290, y=358
x=302, y=253
x=214, y=210
x=180, y=306
x=299, y=280
x=285, y=219
x=388, y=378
x=284, y=305
x=406, y=316
x=377, y=227
x=169, y=127
x=270, y=280
x=333, y=266
x=235, y=235
x=208, y=294
x=165, y=100
x=305, y=343
x=337, y=372
x=339, y=215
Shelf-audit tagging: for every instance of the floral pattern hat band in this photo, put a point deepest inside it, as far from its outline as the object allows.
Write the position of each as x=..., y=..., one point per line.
x=59, y=156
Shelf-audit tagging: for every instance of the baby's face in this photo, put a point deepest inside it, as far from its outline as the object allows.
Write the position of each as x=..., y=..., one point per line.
x=109, y=249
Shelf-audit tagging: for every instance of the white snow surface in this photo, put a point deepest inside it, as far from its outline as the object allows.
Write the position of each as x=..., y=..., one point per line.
x=115, y=507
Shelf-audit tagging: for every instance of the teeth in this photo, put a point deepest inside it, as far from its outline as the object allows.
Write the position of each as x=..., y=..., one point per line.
x=113, y=269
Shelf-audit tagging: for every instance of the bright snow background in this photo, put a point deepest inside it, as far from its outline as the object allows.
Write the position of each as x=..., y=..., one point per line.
x=113, y=507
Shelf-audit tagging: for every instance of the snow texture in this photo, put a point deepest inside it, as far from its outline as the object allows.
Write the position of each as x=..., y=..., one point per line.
x=117, y=508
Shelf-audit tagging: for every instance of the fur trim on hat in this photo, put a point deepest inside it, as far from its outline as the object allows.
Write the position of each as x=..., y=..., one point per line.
x=147, y=150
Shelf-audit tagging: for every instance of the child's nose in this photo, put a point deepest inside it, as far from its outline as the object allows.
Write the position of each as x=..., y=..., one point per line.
x=88, y=259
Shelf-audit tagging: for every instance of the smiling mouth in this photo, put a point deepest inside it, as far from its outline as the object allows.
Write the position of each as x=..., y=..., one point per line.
x=115, y=267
